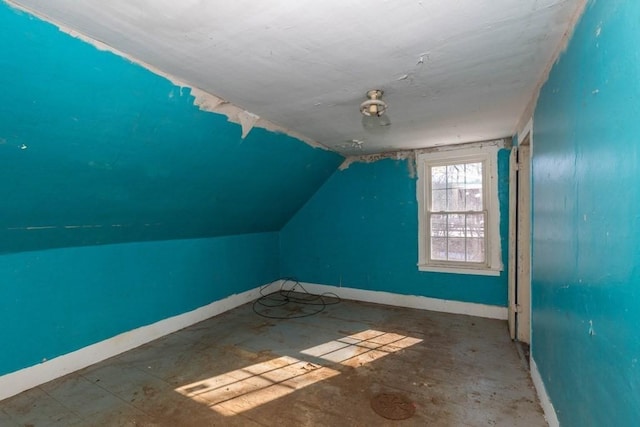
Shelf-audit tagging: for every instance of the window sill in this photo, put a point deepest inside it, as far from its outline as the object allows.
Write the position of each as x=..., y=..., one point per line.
x=460, y=270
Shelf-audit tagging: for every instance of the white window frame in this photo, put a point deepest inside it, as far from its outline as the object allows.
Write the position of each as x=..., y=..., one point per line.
x=488, y=154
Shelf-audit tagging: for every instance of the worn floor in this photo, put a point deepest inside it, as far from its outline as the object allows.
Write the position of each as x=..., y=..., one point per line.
x=240, y=369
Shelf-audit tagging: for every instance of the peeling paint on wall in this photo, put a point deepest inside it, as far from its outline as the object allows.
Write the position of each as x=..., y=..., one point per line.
x=411, y=155
x=203, y=100
x=378, y=220
x=370, y=158
x=94, y=143
x=214, y=104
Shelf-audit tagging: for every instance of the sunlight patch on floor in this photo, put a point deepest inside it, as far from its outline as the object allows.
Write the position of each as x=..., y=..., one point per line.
x=361, y=348
x=242, y=389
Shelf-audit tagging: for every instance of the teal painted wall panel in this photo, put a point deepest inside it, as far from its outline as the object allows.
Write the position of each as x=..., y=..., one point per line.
x=95, y=150
x=586, y=226
x=360, y=230
x=60, y=300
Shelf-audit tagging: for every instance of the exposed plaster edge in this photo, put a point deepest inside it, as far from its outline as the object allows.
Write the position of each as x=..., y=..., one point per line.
x=204, y=100
x=411, y=155
x=371, y=158
x=529, y=110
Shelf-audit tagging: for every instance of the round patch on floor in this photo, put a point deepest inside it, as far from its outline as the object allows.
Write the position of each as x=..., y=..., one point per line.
x=393, y=406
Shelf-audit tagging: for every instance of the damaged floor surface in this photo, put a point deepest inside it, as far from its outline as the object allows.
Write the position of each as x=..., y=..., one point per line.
x=240, y=369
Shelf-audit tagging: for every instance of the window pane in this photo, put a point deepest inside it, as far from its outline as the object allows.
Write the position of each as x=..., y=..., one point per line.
x=473, y=199
x=473, y=186
x=462, y=184
x=456, y=224
x=438, y=248
x=475, y=225
x=456, y=249
x=439, y=200
x=456, y=176
x=439, y=177
x=473, y=174
x=475, y=250
x=456, y=234
x=439, y=225
x=455, y=199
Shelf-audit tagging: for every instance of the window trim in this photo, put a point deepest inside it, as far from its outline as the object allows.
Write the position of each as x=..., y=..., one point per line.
x=488, y=154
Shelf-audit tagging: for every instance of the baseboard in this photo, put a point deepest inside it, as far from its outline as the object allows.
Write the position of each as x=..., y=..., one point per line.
x=411, y=301
x=33, y=376
x=545, y=402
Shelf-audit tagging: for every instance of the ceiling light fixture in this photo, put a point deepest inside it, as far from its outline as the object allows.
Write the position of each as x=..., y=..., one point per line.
x=374, y=106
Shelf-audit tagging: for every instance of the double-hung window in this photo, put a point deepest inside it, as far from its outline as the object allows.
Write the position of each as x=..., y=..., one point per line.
x=459, y=213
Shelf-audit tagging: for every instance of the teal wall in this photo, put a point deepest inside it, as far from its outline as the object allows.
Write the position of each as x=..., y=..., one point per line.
x=122, y=202
x=114, y=153
x=586, y=222
x=60, y=300
x=360, y=230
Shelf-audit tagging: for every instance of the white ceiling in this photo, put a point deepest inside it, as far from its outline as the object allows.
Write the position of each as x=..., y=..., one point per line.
x=452, y=70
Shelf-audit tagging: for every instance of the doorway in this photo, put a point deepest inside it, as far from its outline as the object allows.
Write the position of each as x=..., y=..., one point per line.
x=520, y=241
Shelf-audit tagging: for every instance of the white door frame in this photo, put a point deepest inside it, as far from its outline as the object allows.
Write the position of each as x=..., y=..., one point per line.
x=511, y=268
x=519, y=278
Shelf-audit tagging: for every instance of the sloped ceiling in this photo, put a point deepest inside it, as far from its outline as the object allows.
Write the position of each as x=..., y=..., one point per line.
x=452, y=71
x=97, y=150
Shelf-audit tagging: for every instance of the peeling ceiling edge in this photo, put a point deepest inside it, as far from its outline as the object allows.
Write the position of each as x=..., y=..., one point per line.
x=204, y=100
x=413, y=153
x=529, y=109
x=371, y=158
